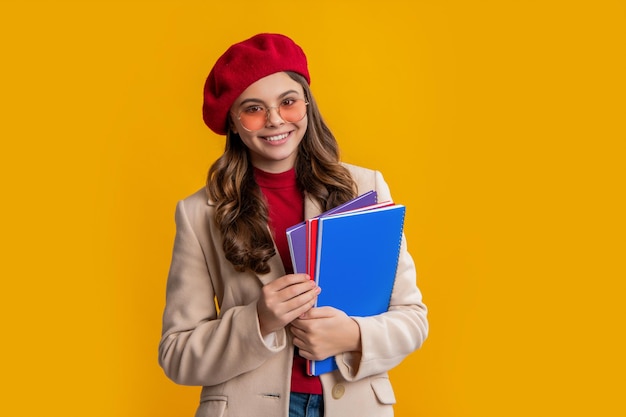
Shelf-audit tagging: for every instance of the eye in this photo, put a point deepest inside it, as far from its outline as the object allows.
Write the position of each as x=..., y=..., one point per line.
x=288, y=102
x=254, y=109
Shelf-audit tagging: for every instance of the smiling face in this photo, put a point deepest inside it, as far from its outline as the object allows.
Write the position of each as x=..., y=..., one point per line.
x=274, y=147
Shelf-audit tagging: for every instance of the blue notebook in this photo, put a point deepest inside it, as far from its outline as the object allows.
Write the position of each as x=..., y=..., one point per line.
x=356, y=263
x=296, y=235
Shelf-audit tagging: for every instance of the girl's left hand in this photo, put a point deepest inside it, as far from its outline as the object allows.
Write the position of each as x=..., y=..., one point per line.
x=325, y=331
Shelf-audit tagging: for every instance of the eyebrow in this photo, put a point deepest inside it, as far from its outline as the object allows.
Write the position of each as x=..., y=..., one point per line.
x=258, y=100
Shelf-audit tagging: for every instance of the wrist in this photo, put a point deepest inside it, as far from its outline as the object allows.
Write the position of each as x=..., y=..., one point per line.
x=356, y=337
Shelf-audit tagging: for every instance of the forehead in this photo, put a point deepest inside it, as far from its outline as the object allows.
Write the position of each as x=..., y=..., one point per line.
x=270, y=88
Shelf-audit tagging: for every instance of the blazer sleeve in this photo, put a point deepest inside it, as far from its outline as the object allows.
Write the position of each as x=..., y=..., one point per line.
x=386, y=339
x=198, y=346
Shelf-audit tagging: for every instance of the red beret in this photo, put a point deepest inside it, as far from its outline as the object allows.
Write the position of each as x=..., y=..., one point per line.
x=243, y=64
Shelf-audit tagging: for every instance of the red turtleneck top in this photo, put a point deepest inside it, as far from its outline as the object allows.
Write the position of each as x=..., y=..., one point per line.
x=286, y=208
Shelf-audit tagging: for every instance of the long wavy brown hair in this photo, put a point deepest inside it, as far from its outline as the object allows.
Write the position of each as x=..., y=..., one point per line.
x=241, y=212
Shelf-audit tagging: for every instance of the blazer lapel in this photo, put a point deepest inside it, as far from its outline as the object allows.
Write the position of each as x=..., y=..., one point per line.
x=311, y=207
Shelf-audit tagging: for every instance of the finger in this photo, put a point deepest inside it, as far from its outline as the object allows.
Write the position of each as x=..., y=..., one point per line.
x=305, y=290
x=302, y=333
x=305, y=353
x=294, y=312
x=285, y=311
x=302, y=351
x=287, y=281
x=298, y=340
x=302, y=302
x=286, y=293
x=319, y=313
x=296, y=326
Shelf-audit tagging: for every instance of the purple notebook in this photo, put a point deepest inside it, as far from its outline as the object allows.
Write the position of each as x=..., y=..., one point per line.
x=296, y=235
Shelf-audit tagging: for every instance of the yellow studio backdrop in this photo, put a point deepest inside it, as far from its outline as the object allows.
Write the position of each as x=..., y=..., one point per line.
x=499, y=124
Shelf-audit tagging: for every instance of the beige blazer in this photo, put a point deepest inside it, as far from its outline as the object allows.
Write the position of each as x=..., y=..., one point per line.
x=224, y=352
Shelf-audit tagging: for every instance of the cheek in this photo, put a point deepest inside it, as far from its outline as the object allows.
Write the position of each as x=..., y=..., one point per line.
x=303, y=125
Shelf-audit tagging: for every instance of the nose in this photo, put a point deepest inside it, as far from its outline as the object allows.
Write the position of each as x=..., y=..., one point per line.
x=273, y=117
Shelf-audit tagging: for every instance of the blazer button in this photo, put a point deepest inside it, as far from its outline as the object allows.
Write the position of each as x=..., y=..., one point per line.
x=338, y=391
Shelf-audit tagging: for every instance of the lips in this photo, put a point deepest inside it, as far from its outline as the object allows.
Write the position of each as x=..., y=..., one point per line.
x=276, y=138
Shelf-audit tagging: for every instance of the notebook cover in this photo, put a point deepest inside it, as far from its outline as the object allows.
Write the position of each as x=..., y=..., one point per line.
x=296, y=235
x=357, y=259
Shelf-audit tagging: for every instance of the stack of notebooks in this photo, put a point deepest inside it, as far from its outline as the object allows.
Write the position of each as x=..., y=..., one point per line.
x=352, y=253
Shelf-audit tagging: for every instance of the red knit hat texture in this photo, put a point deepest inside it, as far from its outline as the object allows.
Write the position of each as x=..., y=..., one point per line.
x=243, y=64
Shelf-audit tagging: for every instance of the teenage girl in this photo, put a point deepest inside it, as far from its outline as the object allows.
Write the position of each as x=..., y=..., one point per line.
x=237, y=320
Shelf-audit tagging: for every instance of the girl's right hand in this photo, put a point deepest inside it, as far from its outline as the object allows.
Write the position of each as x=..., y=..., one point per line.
x=285, y=299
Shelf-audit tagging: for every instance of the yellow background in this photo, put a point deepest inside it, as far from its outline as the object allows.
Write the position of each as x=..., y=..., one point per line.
x=500, y=124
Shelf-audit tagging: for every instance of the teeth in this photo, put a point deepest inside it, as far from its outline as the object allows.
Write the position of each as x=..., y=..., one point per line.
x=277, y=137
